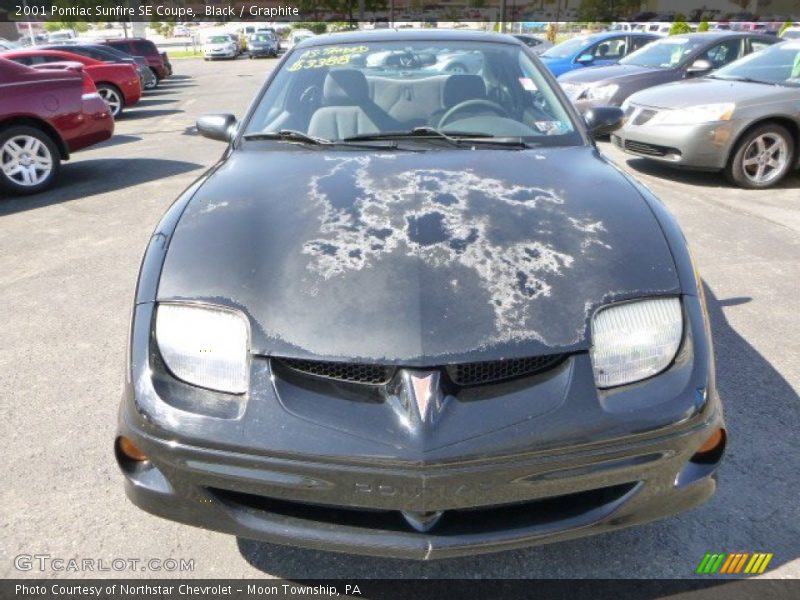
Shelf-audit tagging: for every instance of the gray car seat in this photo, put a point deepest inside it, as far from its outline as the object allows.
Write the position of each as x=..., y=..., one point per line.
x=348, y=109
x=458, y=89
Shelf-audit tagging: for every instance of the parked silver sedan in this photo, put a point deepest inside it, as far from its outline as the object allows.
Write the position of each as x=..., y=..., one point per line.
x=743, y=120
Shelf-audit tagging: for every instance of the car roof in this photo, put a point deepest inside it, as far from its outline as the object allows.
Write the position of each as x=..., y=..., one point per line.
x=409, y=35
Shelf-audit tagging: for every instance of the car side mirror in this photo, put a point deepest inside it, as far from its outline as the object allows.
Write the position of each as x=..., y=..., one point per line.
x=700, y=67
x=602, y=120
x=585, y=59
x=218, y=127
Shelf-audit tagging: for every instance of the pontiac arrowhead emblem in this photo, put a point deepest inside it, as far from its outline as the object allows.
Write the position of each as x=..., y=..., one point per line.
x=423, y=521
x=417, y=397
x=427, y=392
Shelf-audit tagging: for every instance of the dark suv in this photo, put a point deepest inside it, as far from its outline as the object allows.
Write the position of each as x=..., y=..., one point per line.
x=157, y=61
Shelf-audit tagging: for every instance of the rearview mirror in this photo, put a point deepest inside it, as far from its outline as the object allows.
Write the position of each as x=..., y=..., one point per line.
x=217, y=126
x=699, y=67
x=602, y=120
x=585, y=59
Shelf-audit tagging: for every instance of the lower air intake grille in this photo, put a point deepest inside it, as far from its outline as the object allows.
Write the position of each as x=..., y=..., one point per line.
x=352, y=372
x=477, y=373
x=649, y=149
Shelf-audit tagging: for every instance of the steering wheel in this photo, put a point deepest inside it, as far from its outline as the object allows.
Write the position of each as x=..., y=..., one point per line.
x=312, y=95
x=471, y=104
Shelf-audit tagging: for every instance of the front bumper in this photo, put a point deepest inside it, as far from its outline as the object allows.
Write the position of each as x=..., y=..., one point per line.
x=263, y=51
x=703, y=146
x=219, y=54
x=569, y=461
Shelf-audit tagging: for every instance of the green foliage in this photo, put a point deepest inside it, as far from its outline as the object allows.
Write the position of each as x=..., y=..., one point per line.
x=79, y=26
x=679, y=26
x=552, y=33
x=702, y=27
x=784, y=27
x=317, y=27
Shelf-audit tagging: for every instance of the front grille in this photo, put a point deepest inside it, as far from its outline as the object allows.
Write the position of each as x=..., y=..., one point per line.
x=469, y=521
x=342, y=371
x=461, y=374
x=649, y=149
x=478, y=373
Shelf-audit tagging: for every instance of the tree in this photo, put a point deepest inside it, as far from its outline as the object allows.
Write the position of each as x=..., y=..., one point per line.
x=679, y=26
x=703, y=26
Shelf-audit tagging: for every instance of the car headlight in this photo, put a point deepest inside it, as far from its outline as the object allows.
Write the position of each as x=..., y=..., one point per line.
x=635, y=340
x=601, y=92
x=205, y=346
x=694, y=115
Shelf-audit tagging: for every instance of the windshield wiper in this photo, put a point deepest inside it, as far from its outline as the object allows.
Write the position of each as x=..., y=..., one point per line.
x=742, y=78
x=291, y=135
x=454, y=138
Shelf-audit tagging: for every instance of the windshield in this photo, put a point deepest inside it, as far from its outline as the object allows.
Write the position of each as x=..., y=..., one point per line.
x=218, y=39
x=340, y=91
x=568, y=48
x=666, y=53
x=779, y=64
x=263, y=38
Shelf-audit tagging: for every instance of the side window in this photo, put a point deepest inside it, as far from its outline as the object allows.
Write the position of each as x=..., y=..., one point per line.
x=724, y=53
x=143, y=48
x=756, y=45
x=611, y=49
x=26, y=60
x=637, y=41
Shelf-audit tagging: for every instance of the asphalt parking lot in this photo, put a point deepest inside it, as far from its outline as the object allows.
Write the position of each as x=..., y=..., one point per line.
x=68, y=264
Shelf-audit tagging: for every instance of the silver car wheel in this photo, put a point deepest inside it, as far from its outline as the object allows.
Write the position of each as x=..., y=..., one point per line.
x=765, y=158
x=112, y=98
x=26, y=160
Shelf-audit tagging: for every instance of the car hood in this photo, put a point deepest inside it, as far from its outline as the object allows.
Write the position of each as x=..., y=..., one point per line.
x=416, y=258
x=610, y=74
x=694, y=92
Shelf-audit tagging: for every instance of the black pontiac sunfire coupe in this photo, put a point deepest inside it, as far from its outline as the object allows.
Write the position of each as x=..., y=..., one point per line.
x=415, y=313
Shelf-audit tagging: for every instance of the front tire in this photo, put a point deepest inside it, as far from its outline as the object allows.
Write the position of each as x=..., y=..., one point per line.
x=112, y=97
x=762, y=157
x=29, y=160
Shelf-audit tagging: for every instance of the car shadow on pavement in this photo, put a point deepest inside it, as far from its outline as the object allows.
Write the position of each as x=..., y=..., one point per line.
x=754, y=509
x=87, y=178
x=153, y=102
x=145, y=113
x=699, y=178
x=119, y=139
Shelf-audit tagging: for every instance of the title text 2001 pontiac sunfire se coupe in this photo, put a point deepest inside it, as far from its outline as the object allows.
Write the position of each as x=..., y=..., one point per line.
x=416, y=314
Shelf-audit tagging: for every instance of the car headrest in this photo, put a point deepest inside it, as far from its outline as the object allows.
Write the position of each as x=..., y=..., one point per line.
x=459, y=88
x=345, y=86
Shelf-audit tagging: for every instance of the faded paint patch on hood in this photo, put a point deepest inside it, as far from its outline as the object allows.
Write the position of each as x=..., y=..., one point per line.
x=417, y=258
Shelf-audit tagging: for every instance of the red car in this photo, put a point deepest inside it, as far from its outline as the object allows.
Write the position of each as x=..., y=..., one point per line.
x=44, y=116
x=117, y=83
x=157, y=61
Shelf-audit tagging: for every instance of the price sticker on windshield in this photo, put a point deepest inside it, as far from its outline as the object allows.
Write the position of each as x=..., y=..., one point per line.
x=332, y=56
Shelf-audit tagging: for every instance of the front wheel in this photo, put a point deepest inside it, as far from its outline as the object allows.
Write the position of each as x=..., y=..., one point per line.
x=762, y=158
x=112, y=97
x=29, y=160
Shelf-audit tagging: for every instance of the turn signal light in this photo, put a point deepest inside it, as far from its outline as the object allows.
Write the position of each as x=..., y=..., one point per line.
x=130, y=450
x=711, y=451
x=711, y=443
